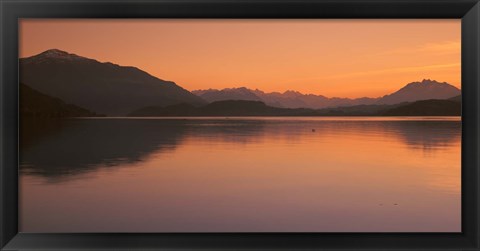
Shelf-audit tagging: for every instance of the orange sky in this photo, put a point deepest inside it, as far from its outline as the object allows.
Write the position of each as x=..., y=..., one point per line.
x=343, y=58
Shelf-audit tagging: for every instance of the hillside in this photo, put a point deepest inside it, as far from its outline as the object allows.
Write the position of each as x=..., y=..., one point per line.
x=456, y=98
x=100, y=87
x=256, y=108
x=222, y=108
x=171, y=110
x=36, y=104
x=431, y=107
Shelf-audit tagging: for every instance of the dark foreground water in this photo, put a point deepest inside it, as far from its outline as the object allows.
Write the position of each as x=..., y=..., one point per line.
x=241, y=174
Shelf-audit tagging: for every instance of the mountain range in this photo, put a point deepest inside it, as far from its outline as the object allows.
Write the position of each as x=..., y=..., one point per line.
x=426, y=89
x=431, y=107
x=114, y=90
x=104, y=88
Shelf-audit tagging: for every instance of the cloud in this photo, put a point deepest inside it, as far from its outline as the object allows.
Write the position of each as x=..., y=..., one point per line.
x=397, y=70
x=418, y=68
x=403, y=69
x=445, y=47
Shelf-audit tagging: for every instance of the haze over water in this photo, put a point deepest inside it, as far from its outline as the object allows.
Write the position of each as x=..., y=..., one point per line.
x=300, y=174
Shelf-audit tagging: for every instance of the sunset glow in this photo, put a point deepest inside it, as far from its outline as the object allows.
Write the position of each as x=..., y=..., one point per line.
x=335, y=58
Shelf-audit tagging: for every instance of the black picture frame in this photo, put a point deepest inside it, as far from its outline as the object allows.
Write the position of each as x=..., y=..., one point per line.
x=466, y=10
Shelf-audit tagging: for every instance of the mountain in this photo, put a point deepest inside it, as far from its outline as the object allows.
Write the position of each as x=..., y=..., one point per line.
x=114, y=90
x=36, y=104
x=222, y=108
x=212, y=95
x=432, y=107
x=171, y=110
x=258, y=108
x=249, y=108
x=356, y=110
x=287, y=99
x=104, y=88
x=424, y=90
x=456, y=98
x=291, y=99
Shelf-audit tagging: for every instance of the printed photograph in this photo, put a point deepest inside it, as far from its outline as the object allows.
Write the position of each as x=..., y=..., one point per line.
x=239, y=125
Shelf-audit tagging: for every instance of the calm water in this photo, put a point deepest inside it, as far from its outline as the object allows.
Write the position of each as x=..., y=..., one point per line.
x=241, y=174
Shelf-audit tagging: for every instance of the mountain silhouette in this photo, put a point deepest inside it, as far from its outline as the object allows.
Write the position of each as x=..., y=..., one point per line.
x=258, y=108
x=248, y=108
x=104, y=88
x=432, y=107
x=287, y=99
x=171, y=110
x=36, y=104
x=242, y=93
x=424, y=90
x=107, y=88
x=222, y=108
x=456, y=98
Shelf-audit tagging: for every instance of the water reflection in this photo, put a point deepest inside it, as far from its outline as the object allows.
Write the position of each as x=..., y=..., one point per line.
x=240, y=175
x=62, y=148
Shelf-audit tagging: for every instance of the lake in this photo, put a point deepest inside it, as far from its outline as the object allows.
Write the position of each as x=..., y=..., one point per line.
x=278, y=174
